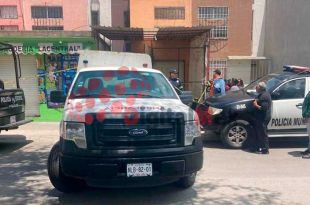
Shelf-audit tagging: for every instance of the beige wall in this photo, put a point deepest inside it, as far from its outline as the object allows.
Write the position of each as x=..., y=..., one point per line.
x=239, y=69
x=142, y=13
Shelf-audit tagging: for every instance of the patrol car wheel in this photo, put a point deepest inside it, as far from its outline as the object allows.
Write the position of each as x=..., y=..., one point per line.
x=235, y=134
x=58, y=179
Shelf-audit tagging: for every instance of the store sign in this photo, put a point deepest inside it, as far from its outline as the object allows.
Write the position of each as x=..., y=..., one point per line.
x=74, y=47
x=47, y=48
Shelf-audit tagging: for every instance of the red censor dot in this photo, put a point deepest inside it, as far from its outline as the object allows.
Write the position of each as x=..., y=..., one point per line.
x=105, y=96
x=131, y=116
x=142, y=84
x=130, y=100
x=93, y=84
x=133, y=84
x=89, y=119
x=79, y=118
x=108, y=75
x=116, y=107
x=148, y=86
x=90, y=103
x=123, y=70
x=81, y=91
x=134, y=70
x=100, y=115
x=120, y=89
x=78, y=107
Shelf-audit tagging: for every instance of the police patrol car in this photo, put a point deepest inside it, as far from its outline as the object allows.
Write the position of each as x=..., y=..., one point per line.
x=232, y=115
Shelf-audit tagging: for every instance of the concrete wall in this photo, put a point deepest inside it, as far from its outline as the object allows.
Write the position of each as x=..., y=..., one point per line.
x=287, y=32
x=105, y=12
x=75, y=16
x=258, y=31
x=13, y=22
x=239, y=69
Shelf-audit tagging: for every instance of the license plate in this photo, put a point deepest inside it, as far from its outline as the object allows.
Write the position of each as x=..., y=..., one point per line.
x=139, y=170
x=13, y=119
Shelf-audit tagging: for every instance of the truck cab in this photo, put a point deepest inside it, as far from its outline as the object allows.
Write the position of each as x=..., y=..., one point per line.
x=124, y=127
x=12, y=101
x=232, y=115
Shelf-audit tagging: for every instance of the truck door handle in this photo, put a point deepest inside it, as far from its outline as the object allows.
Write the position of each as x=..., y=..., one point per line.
x=299, y=105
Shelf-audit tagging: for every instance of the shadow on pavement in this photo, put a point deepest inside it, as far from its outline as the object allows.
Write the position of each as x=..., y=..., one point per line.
x=295, y=154
x=10, y=143
x=168, y=195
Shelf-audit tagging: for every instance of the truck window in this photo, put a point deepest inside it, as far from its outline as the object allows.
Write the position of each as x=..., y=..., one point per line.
x=294, y=89
x=92, y=84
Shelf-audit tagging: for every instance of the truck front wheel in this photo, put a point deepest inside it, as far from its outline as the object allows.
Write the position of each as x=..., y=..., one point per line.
x=187, y=181
x=235, y=134
x=58, y=179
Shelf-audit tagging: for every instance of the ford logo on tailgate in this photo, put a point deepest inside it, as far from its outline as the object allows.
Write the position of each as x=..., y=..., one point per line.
x=138, y=132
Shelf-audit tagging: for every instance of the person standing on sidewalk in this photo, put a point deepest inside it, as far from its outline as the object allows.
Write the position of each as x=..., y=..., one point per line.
x=306, y=115
x=262, y=105
x=218, y=83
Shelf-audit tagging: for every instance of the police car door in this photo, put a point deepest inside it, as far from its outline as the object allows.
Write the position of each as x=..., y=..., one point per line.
x=287, y=102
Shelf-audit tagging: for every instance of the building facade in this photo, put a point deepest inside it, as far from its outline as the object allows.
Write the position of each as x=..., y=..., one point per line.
x=286, y=32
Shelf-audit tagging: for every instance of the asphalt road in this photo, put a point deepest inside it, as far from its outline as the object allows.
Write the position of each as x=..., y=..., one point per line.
x=228, y=176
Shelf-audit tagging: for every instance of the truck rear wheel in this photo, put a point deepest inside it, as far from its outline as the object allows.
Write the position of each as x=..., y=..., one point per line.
x=187, y=181
x=58, y=179
x=235, y=134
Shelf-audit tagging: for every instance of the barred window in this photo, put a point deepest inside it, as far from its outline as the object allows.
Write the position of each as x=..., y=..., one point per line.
x=8, y=12
x=216, y=17
x=220, y=64
x=213, y=12
x=8, y=28
x=219, y=32
x=169, y=13
x=46, y=12
x=47, y=28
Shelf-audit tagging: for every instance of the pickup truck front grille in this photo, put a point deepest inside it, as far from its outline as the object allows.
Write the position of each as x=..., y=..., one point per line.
x=164, y=132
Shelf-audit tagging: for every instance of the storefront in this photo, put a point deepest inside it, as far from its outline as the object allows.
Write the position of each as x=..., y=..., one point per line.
x=47, y=63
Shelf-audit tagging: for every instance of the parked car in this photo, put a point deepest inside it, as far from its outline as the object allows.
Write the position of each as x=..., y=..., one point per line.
x=232, y=115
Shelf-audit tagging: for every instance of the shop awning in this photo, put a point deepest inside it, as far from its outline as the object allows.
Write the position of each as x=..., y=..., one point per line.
x=163, y=33
x=48, y=44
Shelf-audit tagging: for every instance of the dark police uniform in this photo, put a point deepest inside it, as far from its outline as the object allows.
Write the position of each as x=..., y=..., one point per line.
x=262, y=116
x=176, y=82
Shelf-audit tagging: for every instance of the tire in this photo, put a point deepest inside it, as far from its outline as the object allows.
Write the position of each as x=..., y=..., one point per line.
x=187, y=182
x=58, y=179
x=235, y=134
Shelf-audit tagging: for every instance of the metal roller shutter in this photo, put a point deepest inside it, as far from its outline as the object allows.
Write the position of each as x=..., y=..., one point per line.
x=28, y=82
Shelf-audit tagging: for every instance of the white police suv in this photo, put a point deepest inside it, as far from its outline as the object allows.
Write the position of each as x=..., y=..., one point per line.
x=232, y=115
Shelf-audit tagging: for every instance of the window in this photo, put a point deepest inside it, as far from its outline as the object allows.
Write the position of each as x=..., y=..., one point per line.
x=9, y=28
x=213, y=12
x=294, y=89
x=220, y=64
x=170, y=13
x=46, y=12
x=216, y=17
x=47, y=28
x=8, y=12
x=95, y=18
x=219, y=32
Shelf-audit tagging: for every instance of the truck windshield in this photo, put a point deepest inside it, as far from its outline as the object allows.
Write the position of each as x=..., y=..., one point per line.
x=271, y=80
x=121, y=84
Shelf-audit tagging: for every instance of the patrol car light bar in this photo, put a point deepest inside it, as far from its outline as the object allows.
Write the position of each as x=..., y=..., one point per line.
x=295, y=69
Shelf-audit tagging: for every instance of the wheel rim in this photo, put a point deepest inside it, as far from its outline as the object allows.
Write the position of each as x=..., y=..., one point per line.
x=237, y=134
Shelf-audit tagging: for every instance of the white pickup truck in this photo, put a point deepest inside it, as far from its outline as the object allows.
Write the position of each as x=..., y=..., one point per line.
x=124, y=126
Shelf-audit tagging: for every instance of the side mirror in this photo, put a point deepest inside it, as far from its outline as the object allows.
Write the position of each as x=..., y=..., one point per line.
x=275, y=95
x=186, y=97
x=57, y=99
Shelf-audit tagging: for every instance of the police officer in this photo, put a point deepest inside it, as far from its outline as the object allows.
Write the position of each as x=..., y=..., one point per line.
x=174, y=80
x=262, y=105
